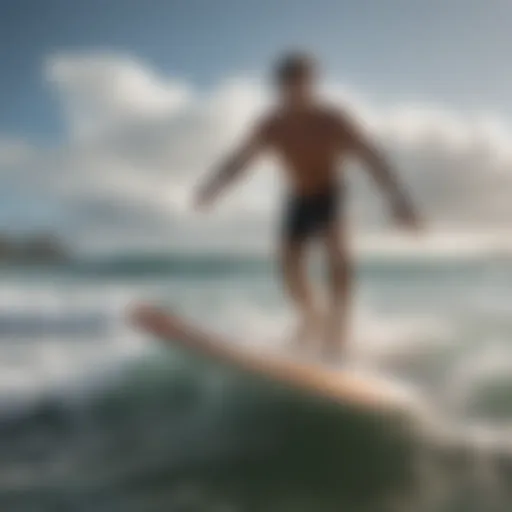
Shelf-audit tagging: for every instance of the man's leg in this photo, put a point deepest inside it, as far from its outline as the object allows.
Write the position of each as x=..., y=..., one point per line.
x=340, y=287
x=297, y=285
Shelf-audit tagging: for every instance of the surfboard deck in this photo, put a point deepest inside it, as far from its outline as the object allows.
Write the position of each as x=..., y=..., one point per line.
x=341, y=386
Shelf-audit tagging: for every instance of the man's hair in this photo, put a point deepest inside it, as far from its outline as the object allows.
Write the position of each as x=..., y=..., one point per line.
x=293, y=66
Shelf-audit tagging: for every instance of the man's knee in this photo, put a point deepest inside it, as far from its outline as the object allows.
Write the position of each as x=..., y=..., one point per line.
x=339, y=264
x=340, y=268
x=292, y=253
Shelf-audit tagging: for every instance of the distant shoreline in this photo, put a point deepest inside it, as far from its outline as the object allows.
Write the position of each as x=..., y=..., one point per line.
x=32, y=249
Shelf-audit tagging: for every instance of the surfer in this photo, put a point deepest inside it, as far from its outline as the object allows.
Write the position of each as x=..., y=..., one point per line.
x=311, y=139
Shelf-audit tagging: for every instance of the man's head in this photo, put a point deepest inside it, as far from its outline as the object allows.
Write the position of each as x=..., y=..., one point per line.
x=294, y=76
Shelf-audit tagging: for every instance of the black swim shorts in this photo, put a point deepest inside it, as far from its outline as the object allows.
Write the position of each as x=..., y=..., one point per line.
x=307, y=216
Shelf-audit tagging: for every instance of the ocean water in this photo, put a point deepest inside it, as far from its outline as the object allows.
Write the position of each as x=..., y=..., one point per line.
x=95, y=416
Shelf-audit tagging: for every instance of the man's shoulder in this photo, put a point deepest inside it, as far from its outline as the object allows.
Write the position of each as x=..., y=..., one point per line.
x=268, y=123
x=334, y=114
x=270, y=118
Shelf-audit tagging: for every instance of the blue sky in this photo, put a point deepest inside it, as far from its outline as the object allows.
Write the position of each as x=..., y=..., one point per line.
x=112, y=110
x=450, y=52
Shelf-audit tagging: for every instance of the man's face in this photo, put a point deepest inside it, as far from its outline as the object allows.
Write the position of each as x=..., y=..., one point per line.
x=298, y=89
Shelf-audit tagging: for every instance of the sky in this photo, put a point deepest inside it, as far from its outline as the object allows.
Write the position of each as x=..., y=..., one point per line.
x=111, y=110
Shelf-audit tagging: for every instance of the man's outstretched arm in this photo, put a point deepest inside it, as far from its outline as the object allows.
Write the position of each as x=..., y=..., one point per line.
x=381, y=171
x=231, y=168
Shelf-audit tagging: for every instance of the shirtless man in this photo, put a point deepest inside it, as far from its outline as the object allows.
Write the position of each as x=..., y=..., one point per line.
x=311, y=139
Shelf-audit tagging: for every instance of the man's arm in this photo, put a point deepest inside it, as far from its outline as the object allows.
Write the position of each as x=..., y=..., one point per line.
x=383, y=175
x=231, y=168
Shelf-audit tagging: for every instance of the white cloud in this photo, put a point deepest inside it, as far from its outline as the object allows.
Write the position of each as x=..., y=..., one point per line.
x=138, y=141
x=103, y=92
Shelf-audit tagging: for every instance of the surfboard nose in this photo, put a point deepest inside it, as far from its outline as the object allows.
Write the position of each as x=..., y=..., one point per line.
x=143, y=315
x=137, y=313
x=154, y=319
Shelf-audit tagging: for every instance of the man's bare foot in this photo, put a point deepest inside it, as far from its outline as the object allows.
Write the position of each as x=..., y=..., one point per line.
x=308, y=332
x=333, y=337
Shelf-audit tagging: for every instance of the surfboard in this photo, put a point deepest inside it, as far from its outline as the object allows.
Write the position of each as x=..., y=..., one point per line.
x=342, y=386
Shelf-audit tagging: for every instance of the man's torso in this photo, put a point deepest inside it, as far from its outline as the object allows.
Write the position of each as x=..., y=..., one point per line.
x=310, y=145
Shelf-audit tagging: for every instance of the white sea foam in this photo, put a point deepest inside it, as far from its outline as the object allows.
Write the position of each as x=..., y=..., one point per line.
x=50, y=337
x=419, y=339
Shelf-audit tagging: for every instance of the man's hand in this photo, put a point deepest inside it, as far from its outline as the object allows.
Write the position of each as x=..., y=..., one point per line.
x=204, y=199
x=407, y=218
